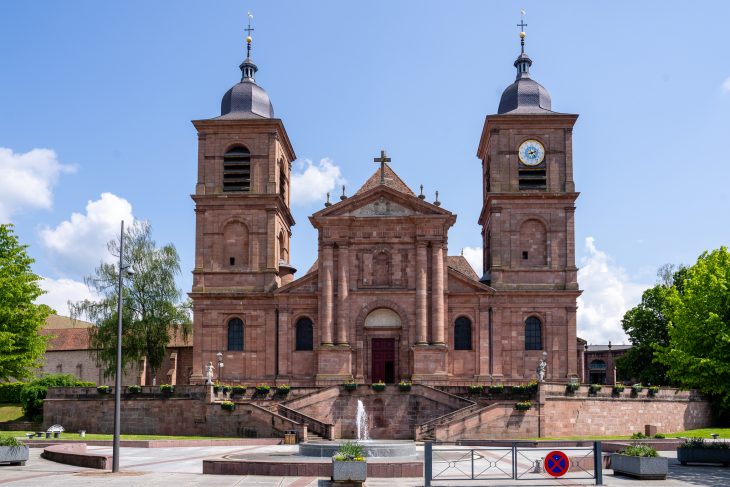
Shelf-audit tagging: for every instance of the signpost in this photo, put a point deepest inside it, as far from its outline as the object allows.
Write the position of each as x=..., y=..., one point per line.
x=556, y=463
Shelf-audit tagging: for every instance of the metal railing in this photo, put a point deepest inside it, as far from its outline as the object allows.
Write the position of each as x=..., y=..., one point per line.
x=510, y=460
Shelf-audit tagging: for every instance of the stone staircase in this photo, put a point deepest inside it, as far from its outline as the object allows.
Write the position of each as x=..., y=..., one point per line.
x=426, y=431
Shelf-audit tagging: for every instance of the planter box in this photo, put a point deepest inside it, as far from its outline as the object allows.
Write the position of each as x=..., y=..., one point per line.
x=703, y=455
x=349, y=471
x=14, y=455
x=649, y=468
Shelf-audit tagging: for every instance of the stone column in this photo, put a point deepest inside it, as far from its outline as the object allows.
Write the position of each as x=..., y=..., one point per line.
x=342, y=292
x=437, y=323
x=327, y=298
x=421, y=293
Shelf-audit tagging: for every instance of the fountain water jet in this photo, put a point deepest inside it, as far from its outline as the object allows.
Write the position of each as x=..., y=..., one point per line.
x=361, y=420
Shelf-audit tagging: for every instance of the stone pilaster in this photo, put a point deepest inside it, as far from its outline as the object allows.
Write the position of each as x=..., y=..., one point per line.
x=342, y=292
x=327, y=294
x=437, y=299
x=421, y=293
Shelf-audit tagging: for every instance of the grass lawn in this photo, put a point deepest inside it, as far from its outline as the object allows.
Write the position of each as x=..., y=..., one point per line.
x=701, y=433
x=10, y=412
x=69, y=435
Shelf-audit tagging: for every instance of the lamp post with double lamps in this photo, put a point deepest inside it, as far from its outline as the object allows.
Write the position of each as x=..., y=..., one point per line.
x=118, y=378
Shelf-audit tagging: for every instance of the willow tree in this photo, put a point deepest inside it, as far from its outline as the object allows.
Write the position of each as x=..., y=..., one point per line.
x=153, y=311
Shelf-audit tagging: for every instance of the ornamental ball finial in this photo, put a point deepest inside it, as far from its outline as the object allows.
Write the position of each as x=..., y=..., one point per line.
x=522, y=35
x=248, y=39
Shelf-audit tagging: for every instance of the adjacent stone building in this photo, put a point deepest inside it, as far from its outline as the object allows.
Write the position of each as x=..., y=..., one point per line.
x=385, y=300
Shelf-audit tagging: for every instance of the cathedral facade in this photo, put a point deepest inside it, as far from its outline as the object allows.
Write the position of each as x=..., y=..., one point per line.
x=384, y=301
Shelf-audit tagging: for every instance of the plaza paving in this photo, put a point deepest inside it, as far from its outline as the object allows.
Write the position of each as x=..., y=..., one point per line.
x=151, y=467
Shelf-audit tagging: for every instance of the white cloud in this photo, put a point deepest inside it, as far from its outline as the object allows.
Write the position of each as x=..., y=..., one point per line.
x=27, y=180
x=726, y=85
x=608, y=292
x=79, y=244
x=312, y=182
x=475, y=256
x=61, y=291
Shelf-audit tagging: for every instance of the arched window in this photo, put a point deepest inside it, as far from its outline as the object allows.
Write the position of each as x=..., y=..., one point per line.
x=533, y=334
x=462, y=333
x=305, y=334
x=237, y=170
x=235, y=335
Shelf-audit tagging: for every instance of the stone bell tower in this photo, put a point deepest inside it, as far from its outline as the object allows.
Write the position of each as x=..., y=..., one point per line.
x=242, y=208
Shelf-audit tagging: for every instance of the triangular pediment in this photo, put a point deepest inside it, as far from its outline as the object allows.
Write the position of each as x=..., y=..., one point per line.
x=382, y=201
x=460, y=283
x=306, y=284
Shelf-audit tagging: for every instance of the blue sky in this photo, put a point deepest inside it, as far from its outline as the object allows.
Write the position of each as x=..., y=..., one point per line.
x=108, y=89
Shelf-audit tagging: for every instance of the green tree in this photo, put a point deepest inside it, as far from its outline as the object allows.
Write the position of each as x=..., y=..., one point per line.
x=647, y=326
x=152, y=313
x=698, y=352
x=21, y=346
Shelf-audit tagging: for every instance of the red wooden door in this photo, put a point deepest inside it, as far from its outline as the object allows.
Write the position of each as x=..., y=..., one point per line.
x=383, y=360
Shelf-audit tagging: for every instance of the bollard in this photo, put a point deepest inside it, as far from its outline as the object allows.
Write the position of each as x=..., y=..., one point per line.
x=598, y=462
x=427, y=463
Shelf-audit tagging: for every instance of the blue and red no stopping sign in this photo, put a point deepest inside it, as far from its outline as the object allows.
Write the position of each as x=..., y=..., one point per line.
x=556, y=463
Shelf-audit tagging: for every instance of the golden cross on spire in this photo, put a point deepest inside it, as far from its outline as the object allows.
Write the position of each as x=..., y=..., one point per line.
x=248, y=30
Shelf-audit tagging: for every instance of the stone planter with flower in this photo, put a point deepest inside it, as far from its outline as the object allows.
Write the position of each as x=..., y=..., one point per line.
x=349, y=464
x=697, y=450
x=405, y=385
x=640, y=461
x=13, y=451
x=378, y=386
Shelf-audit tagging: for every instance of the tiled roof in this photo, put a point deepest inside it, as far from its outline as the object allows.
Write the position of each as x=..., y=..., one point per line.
x=392, y=180
x=67, y=339
x=460, y=264
x=57, y=321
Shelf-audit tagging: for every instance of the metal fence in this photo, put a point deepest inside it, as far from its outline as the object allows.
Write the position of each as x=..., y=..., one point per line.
x=510, y=460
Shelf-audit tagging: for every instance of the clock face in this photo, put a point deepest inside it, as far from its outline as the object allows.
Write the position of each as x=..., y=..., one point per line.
x=531, y=152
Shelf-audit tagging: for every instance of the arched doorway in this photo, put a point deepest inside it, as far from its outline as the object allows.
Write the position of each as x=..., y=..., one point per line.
x=383, y=324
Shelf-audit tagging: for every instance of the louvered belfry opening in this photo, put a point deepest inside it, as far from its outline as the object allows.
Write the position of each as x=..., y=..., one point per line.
x=237, y=170
x=532, y=178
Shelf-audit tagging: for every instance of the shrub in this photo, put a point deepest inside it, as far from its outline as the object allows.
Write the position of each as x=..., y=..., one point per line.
x=496, y=389
x=134, y=389
x=701, y=443
x=10, y=392
x=653, y=390
x=572, y=387
x=238, y=390
x=636, y=388
x=103, y=389
x=638, y=436
x=167, y=388
x=405, y=385
x=228, y=405
x=475, y=389
x=594, y=388
x=378, y=386
x=523, y=406
x=350, y=385
x=283, y=389
x=618, y=388
x=639, y=451
x=33, y=393
x=660, y=436
x=263, y=389
x=350, y=451
x=10, y=441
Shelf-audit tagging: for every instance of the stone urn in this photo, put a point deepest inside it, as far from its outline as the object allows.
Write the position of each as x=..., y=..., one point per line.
x=353, y=472
x=648, y=468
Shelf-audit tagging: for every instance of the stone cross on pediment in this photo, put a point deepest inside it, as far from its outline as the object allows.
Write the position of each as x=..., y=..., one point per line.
x=382, y=160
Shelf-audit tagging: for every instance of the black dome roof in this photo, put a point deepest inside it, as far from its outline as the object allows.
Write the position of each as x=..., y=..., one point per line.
x=246, y=99
x=525, y=95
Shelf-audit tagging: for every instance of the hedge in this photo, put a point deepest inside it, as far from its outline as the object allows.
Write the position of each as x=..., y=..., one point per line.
x=10, y=392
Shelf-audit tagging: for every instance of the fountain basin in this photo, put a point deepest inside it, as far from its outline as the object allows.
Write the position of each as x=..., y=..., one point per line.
x=373, y=448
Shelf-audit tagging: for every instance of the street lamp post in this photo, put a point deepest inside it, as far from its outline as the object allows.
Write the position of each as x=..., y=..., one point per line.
x=118, y=378
x=219, y=356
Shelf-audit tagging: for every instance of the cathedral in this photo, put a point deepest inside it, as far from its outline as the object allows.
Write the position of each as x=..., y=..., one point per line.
x=384, y=301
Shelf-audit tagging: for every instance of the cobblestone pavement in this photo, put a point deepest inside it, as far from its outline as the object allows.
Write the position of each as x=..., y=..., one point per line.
x=180, y=467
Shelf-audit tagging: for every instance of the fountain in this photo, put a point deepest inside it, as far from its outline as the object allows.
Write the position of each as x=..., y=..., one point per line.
x=361, y=420
x=373, y=448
